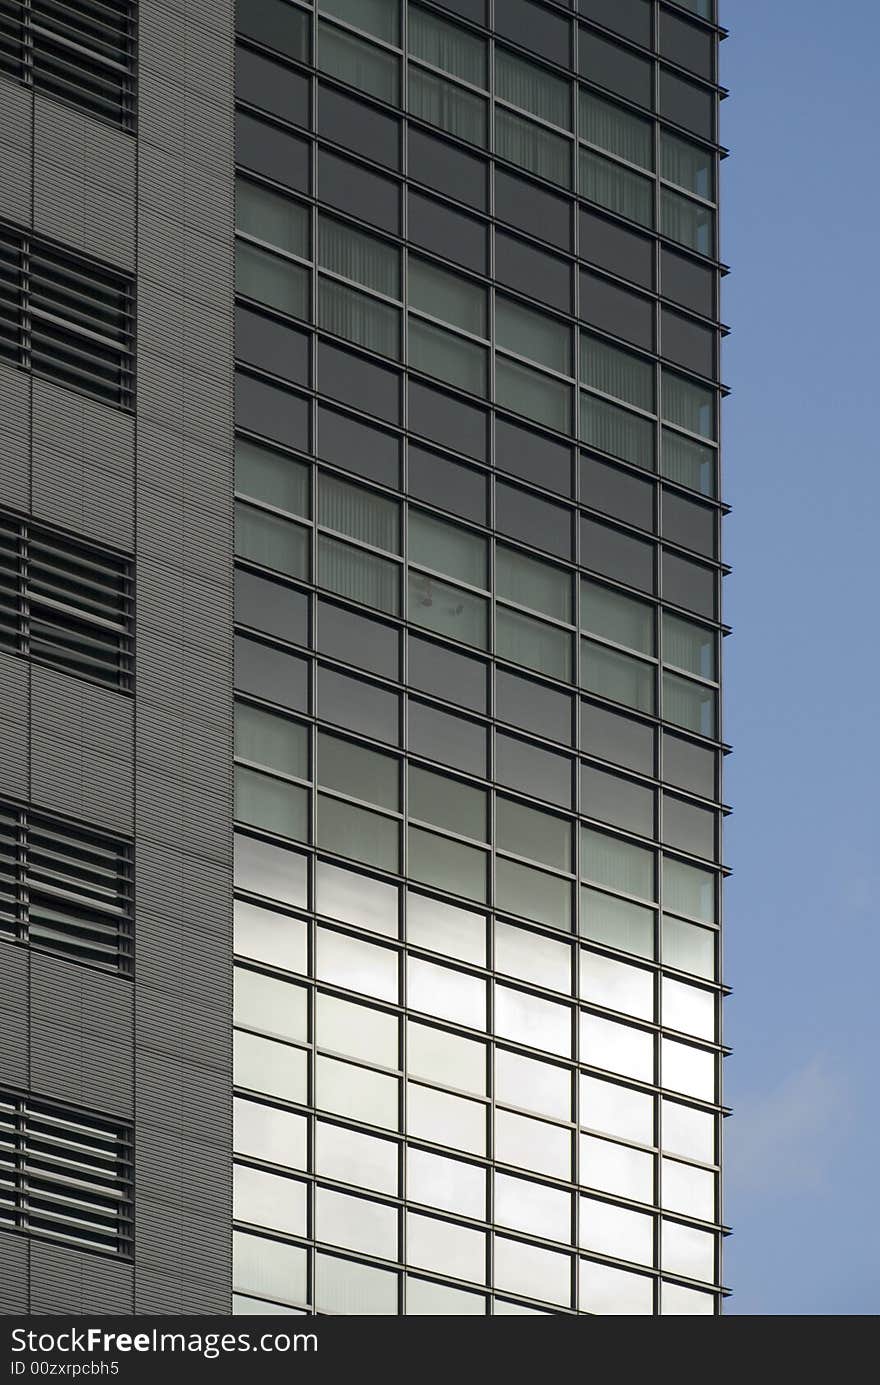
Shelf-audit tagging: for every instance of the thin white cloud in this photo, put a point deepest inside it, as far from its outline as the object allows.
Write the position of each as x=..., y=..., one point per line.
x=783, y=1141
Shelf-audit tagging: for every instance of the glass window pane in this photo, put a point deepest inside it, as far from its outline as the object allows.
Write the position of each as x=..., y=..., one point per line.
x=358, y=833
x=525, y=1269
x=355, y=1092
x=689, y=165
x=526, y=831
x=262, y=1065
x=687, y=1251
x=448, y=610
x=379, y=17
x=360, y=513
x=532, y=957
x=689, y=1009
x=270, y=870
x=446, y=45
x=687, y=222
x=268, y=1268
x=445, y=1248
x=687, y=1190
x=360, y=1031
x=355, y=1223
x=688, y=1070
x=688, y=462
x=271, y=217
x=533, y=148
x=354, y=769
x=449, y=107
x=617, y=986
x=532, y=1144
x=272, y=541
x=617, y=1047
x=457, y=552
x=535, y=396
x=533, y=893
x=687, y=1131
x=690, y=705
x=362, y=65
x=269, y=1005
x=616, y=1110
x=618, y=130
x=532, y=643
x=612, y=1168
x=427, y=1299
x=351, y=897
x=689, y=948
x=530, y=582
x=440, y=293
x=448, y=357
x=447, y=865
x=356, y=965
x=533, y=334
x=350, y=1156
x=272, y=280
x=361, y=576
x=689, y=890
x=449, y=1059
x=354, y=254
x=532, y=88
x=533, y=1208
x=688, y=404
x=608, y=673
x=272, y=741
x=358, y=318
x=617, y=923
x=676, y=1299
x=532, y=1084
x=615, y=616
x=617, y=864
x=610, y=1292
x=619, y=373
x=532, y=1021
x=268, y=1133
x=271, y=477
x=272, y=804
x=619, y=189
x=617, y=431
x=449, y=1184
x=689, y=646
x=451, y=995
x=440, y=927
x=265, y=1199
x=445, y=1120
x=343, y=1287
x=446, y=802
x=616, y=1231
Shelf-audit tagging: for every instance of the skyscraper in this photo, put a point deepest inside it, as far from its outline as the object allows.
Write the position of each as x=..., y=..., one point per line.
x=428, y=740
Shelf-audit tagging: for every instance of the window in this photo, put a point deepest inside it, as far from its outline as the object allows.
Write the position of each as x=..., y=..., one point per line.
x=360, y=576
x=619, y=677
x=66, y=604
x=532, y=957
x=96, y=71
x=619, y=69
x=532, y=147
x=447, y=610
x=617, y=431
x=532, y=643
x=615, y=616
x=267, y=1200
x=532, y=1208
x=355, y=1223
x=617, y=1047
x=350, y=1156
x=362, y=65
x=687, y=222
x=525, y=1269
x=612, y=1168
x=271, y=541
x=453, y=1121
x=65, y=888
x=448, y=803
x=70, y=1174
x=616, y=129
x=606, y=368
x=532, y=88
x=271, y=217
x=450, y=297
x=530, y=333
x=606, y=1290
x=618, y=864
x=447, y=46
x=616, y=1110
x=611, y=1230
x=447, y=106
x=617, y=923
x=358, y=513
x=449, y=1184
x=379, y=17
x=270, y=1006
x=447, y=865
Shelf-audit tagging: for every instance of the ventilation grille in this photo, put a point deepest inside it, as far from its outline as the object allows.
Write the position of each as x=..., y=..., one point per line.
x=66, y=318
x=65, y=603
x=65, y=888
x=80, y=51
x=65, y=1174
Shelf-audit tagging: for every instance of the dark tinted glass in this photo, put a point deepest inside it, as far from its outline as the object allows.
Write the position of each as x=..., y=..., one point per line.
x=687, y=282
x=533, y=706
x=617, y=310
x=443, y=736
x=618, y=493
x=273, y=87
x=687, y=343
x=687, y=104
x=532, y=271
x=444, y=672
x=449, y=421
x=358, y=127
x=532, y=209
x=447, y=232
x=617, y=801
x=688, y=523
x=631, y=18
x=357, y=381
x=688, y=827
x=358, y=640
x=275, y=23
x=358, y=705
x=620, y=70
x=687, y=44
x=532, y=26
x=468, y=9
x=689, y=585
x=271, y=607
x=611, y=736
x=272, y=152
x=270, y=345
x=688, y=766
x=618, y=555
x=350, y=443
x=616, y=249
x=447, y=484
x=533, y=520
x=272, y=412
x=448, y=170
x=268, y=672
x=354, y=189
x=532, y=457
x=532, y=769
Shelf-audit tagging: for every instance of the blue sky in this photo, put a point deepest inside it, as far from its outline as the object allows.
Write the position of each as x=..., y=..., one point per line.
x=801, y=212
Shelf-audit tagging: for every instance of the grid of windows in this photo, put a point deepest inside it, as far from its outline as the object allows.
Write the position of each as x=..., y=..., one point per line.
x=65, y=603
x=66, y=1174
x=65, y=887
x=477, y=666
x=81, y=51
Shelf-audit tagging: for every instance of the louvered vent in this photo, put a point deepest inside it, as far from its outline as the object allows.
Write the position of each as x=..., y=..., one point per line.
x=80, y=51
x=80, y=324
x=65, y=888
x=11, y=584
x=65, y=1174
x=79, y=608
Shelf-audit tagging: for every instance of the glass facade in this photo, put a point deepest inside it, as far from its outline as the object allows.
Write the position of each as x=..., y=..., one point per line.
x=478, y=647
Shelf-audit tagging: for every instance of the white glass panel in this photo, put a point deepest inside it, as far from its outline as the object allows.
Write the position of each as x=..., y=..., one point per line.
x=617, y=986
x=613, y=1168
x=270, y=1005
x=453, y=995
x=533, y=1208
x=268, y=1269
x=541, y=1087
x=532, y=1144
x=617, y=1047
x=448, y=1184
x=270, y=871
x=446, y=1058
x=532, y=1271
x=530, y=1020
x=441, y=927
x=445, y=1119
x=688, y=1132
x=359, y=1030
x=262, y=1065
x=264, y=1199
x=688, y=890
x=355, y=1223
x=351, y=897
x=610, y=1292
x=617, y=1110
x=687, y=1190
x=265, y=936
x=435, y=1245
x=342, y=1286
x=688, y=1070
x=355, y=1092
x=687, y=1251
x=264, y=1132
x=356, y=965
x=532, y=957
x=616, y=1231
x=688, y=1009
x=689, y=948
x=242, y=1305
x=676, y=1301
x=350, y=1156
x=616, y=863
x=426, y=1299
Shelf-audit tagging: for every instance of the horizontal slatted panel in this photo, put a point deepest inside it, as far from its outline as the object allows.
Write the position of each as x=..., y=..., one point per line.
x=79, y=893
x=82, y=51
x=12, y=38
x=80, y=324
x=12, y=915
x=11, y=286
x=65, y=1174
x=80, y=608
x=11, y=583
